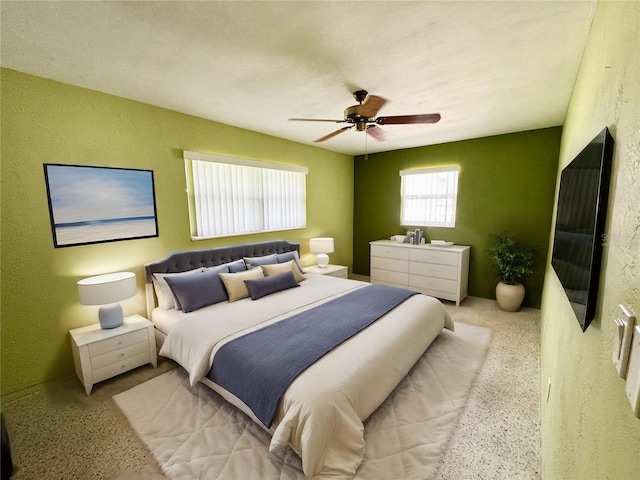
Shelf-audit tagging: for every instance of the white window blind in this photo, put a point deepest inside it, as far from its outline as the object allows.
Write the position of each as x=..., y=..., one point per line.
x=429, y=197
x=232, y=196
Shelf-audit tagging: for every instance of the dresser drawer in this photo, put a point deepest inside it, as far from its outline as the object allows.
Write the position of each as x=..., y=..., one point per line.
x=437, y=294
x=116, y=343
x=390, y=264
x=388, y=276
x=441, y=285
x=112, y=357
x=390, y=252
x=124, y=365
x=434, y=270
x=377, y=282
x=434, y=256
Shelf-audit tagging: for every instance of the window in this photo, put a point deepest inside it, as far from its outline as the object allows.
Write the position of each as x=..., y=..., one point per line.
x=429, y=197
x=233, y=196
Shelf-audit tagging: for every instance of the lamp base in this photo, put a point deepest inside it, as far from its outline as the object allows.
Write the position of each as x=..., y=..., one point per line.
x=322, y=259
x=110, y=316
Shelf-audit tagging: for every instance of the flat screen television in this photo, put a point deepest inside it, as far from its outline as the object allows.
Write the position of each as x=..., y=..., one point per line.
x=582, y=205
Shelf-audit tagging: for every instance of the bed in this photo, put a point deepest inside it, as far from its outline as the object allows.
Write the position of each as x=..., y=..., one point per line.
x=320, y=413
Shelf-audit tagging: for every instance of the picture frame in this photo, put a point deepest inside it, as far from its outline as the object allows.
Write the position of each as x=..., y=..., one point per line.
x=92, y=204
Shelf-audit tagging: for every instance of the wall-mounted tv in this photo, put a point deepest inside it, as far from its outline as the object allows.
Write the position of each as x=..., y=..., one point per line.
x=582, y=205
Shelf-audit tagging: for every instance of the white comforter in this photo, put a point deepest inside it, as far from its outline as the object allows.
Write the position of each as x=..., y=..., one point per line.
x=321, y=413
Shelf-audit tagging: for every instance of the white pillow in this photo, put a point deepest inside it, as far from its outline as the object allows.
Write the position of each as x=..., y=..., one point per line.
x=289, y=266
x=163, y=290
x=234, y=282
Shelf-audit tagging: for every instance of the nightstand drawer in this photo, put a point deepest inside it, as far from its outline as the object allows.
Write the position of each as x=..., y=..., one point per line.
x=116, y=343
x=339, y=274
x=112, y=357
x=114, y=369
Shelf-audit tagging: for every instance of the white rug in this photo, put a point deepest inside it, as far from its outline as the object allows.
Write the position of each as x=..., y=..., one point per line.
x=193, y=433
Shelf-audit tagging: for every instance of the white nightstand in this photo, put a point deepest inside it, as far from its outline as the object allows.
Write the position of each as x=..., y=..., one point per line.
x=331, y=270
x=101, y=354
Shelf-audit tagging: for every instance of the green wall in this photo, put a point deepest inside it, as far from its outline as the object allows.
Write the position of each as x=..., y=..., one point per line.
x=506, y=182
x=48, y=122
x=588, y=429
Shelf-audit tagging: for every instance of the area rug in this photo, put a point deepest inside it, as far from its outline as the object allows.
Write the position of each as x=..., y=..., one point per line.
x=193, y=433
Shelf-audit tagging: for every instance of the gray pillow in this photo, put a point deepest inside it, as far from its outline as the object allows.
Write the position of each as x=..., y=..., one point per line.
x=265, y=260
x=262, y=287
x=237, y=266
x=199, y=289
x=285, y=257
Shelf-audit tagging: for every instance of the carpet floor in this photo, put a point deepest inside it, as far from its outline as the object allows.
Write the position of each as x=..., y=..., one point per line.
x=59, y=432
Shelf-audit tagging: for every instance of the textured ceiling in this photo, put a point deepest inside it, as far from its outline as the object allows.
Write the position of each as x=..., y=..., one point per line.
x=487, y=67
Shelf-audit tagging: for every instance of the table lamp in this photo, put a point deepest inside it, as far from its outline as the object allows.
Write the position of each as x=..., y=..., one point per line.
x=106, y=291
x=321, y=246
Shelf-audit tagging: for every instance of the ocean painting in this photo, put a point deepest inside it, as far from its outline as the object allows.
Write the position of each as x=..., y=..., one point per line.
x=100, y=204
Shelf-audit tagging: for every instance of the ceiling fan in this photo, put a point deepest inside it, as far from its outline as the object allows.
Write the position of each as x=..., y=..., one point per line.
x=363, y=117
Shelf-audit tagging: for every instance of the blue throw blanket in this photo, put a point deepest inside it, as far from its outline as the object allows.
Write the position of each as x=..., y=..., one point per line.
x=259, y=366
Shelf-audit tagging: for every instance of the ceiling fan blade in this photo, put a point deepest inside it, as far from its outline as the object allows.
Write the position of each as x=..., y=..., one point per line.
x=404, y=119
x=315, y=120
x=333, y=134
x=377, y=133
x=370, y=106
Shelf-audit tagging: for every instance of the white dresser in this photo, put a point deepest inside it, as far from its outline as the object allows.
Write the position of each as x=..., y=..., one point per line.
x=441, y=272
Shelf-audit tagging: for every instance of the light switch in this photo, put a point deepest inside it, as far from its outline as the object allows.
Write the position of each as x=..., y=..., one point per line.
x=622, y=339
x=633, y=375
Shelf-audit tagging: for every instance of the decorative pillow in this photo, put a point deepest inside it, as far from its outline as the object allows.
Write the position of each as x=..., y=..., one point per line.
x=199, y=289
x=233, y=267
x=234, y=282
x=265, y=260
x=266, y=286
x=163, y=291
x=290, y=266
x=285, y=257
x=237, y=266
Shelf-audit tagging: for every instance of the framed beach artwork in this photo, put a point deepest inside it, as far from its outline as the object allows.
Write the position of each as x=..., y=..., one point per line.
x=90, y=204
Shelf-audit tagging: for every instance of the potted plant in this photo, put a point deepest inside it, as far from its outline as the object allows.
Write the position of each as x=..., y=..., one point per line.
x=514, y=262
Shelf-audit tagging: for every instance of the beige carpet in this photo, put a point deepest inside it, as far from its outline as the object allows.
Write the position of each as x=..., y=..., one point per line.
x=193, y=433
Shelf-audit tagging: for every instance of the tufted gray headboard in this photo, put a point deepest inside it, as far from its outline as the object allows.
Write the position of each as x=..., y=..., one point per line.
x=190, y=259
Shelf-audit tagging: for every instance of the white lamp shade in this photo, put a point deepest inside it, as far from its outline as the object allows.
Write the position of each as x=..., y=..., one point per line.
x=106, y=289
x=321, y=245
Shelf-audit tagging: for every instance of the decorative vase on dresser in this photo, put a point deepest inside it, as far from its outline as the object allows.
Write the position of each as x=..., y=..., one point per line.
x=439, y=271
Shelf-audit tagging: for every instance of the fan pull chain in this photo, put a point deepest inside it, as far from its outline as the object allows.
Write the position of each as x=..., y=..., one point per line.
x=366, y=147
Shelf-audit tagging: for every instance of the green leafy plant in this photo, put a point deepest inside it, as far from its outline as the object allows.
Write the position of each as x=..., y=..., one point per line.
x=513, y=260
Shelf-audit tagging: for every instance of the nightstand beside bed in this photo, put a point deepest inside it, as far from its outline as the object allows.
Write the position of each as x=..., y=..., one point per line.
x=339, y=271
x=102, y=354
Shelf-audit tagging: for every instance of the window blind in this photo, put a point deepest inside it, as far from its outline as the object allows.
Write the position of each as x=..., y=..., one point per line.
x=429, y=196
x=232, y=196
